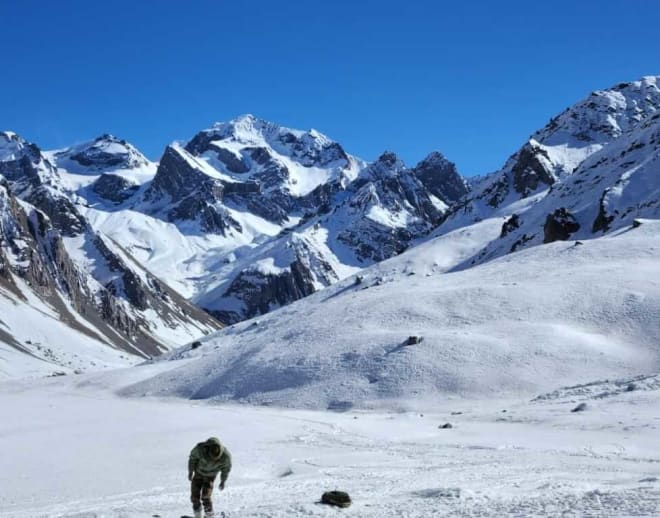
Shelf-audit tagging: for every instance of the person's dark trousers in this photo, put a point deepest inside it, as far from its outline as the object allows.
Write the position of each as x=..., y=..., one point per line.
x=201, y=489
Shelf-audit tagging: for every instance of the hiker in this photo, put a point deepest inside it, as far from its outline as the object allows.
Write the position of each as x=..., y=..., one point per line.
x=206, y=460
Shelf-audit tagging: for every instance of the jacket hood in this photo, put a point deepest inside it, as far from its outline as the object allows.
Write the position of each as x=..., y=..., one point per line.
x=214, y=441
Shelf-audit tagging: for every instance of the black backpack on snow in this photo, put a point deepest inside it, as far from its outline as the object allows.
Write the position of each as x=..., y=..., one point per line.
x=338, y=498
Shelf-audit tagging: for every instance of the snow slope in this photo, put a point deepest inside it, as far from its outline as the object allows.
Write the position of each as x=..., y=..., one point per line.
x=36, y=340
x=550, y=315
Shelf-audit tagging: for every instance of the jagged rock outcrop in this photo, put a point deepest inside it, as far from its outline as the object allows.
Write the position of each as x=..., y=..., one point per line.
x=441, y=178
x=559, y=226
x=34, y=179
x=389, y=208
x=510, y=225
x=532, y=169
x=291, y=269
x=114, y=187
x=190, y=193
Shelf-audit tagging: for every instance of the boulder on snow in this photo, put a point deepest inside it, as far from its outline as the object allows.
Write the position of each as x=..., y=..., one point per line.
x=336, y=498
x=580, y=408
x=559, y=226
x=510, y=225
x=414, y=340
x=446, y=426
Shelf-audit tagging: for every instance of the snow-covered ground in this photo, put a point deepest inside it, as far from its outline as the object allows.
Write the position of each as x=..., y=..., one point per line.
x=509, y=349
x=70, y=447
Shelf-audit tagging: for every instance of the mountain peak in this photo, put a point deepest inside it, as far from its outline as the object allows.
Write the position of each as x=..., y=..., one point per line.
x=14, y=147
x=105, y=152
x=388, y=158
x=440, y=176
x=434, y=158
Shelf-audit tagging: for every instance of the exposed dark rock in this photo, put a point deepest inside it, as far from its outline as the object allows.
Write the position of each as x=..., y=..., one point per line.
x=559, y=226
x=520, y=242
x=114, y=188
x=388, y=185
x=42, y=260
x=233, y=163
x=497, y=192
x=179, y=179
x=260, y=155
x=32, y=179
x=580, y=408
x=62, y=213
x=446, y=426
x=603, y=220
x=212, y=218
x=441, y=178
x=529, y=171
x=414, y=340
x=510, y=225
x=96, y=156
x=259, y=291
x=241, y=188
x=195, y=196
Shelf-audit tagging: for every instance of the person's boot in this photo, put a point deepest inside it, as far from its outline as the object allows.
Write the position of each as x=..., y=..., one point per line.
x=197, y=513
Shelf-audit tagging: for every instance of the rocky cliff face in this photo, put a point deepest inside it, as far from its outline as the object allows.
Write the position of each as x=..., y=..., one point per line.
x=441, y=178
x=388, y=207
x=187, y=190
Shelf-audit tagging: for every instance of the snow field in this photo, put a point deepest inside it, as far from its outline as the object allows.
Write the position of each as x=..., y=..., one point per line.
x=95, y=455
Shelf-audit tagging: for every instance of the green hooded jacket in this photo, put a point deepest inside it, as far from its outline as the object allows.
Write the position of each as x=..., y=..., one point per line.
x=202, y=461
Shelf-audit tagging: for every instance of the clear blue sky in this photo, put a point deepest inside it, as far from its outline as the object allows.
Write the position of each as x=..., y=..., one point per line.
x=470, y=79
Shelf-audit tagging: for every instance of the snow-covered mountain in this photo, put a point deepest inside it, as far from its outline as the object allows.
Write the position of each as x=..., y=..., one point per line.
x=245, y=217
x=376, y=216
x=58, y=273
x=555, y=152
x=249, y=216
x=519, y=322
x=591, y=170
